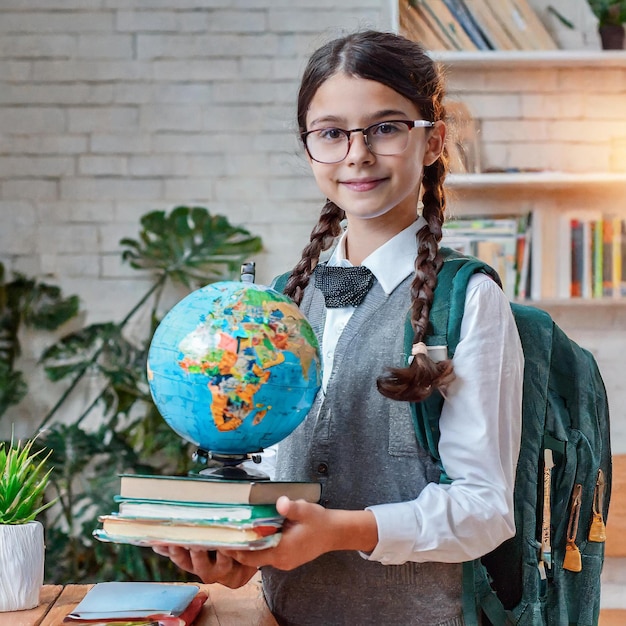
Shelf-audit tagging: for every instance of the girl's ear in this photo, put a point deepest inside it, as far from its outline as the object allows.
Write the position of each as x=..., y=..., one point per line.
x=434, y=143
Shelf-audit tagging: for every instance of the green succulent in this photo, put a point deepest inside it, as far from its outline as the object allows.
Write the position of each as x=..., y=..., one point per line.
x=23, y=481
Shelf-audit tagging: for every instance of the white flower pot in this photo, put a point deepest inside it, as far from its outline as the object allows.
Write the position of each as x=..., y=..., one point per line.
x=21, y=570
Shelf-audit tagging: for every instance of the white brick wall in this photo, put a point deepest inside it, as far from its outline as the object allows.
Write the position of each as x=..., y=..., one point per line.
x=108, y=112
x=550, y=117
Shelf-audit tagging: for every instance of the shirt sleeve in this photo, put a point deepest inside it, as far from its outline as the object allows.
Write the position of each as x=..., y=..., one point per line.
x=480, y=428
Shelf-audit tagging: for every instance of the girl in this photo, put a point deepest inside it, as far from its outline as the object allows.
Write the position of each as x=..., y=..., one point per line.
x=387, y=542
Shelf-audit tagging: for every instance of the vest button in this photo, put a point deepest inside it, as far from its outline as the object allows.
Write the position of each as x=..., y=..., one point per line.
x=322, y=468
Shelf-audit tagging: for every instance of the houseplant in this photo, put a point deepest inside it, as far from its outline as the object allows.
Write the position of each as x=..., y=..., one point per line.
x=23, y=481
x=611, y=17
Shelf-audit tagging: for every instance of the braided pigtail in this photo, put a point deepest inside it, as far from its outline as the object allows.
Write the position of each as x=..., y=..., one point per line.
x=423, y=376
x=327, y=229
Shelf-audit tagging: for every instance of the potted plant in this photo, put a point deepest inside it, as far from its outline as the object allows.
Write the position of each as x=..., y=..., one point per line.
x=23, y=481
x=611, y=17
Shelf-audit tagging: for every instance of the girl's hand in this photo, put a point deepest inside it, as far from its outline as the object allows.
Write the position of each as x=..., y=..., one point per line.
x=209, y=566
x=309, y=531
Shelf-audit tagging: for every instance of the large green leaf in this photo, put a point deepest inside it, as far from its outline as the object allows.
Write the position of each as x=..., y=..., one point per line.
x=13, y=387
x=33, y=304
x=75, y=352
x=190, y=245
x=42, y=306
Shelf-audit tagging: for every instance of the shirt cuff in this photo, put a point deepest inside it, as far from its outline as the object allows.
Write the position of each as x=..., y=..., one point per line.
x=397, y=529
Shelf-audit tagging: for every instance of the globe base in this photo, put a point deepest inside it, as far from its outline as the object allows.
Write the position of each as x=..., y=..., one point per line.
x=233, y=472
x=231, y=466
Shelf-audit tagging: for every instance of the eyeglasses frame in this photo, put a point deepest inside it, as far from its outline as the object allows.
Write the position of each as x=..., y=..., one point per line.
x=348, y=133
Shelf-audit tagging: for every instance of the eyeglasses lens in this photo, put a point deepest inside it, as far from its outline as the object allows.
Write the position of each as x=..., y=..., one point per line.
x=331, y=145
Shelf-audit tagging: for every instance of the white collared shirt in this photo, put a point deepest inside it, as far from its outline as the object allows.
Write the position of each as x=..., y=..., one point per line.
x=473, y=515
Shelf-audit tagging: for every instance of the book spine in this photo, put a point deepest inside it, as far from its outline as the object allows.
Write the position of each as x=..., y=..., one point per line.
x=577, y=258
x=597, y=258
x=617, y=256
x=464, y=18
x=607, y=257
x=622, y=289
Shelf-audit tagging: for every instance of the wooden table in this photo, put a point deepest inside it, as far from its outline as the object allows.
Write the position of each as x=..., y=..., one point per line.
x=225, y=607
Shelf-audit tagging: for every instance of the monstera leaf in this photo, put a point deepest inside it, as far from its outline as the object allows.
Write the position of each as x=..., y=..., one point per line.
x=190, y=245
x=13, y=387
x=25, y=301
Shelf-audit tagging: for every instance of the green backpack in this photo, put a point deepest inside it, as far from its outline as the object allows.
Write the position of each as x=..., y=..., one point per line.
x=549, y=573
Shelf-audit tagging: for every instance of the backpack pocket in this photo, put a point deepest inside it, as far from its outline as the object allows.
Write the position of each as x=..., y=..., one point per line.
x=574, y=579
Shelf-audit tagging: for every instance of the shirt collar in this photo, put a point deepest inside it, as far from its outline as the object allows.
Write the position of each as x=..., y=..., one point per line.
x=392, y=262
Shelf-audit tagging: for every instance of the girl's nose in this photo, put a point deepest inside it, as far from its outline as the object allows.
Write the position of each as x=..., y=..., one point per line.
x=359, y=151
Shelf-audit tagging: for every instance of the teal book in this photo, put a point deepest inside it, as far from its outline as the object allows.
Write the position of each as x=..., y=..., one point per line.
x=171, y=509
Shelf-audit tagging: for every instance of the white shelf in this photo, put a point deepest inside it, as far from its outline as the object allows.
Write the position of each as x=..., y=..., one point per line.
x=532, y=59
x=541, y=181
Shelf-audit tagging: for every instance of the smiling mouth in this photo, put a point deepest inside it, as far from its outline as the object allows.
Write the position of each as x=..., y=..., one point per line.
x=363, y=184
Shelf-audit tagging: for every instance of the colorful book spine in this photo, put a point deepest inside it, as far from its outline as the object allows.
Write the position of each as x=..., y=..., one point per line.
x=576, y=227
x=597, y=260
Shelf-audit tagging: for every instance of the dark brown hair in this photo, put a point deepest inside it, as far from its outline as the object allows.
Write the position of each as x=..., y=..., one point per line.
x=402, y=65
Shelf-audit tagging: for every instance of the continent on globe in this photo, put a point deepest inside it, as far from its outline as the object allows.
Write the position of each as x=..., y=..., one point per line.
x=234, y=367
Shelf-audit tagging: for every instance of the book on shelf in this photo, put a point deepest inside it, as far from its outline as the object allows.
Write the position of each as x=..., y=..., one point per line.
x=499, y=241
x=414, y=26
x=138, y=602
x=596, y=250
x=468, y=23
x=576, y=259
x=442, y=21
x=215, y=491
x=622, y=260
x=597, y=258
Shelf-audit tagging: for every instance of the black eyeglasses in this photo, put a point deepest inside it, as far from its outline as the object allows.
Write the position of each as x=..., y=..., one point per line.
x=331, y=145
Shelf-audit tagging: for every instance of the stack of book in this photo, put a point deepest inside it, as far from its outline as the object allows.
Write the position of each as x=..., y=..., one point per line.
x=200, y=512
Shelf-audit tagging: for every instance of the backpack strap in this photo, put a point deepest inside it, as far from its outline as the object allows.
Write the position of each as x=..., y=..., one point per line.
x=446, y=314
x=280, y=282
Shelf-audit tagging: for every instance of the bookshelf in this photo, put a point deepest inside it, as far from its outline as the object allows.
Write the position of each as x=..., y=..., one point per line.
x=548, y=135
x=550, y=194
x=552, y=197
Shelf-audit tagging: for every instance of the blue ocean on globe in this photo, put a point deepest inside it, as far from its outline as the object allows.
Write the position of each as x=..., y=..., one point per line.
x=234, y=367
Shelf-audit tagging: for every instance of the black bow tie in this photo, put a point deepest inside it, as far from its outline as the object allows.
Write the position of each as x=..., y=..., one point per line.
x=343, y=286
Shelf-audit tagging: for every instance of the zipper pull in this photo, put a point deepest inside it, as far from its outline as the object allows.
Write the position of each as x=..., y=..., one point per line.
x=546, y=548
x=597, y=531
x=573, y=560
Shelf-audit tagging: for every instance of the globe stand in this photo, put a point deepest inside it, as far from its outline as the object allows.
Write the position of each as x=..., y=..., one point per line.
x=232, y=467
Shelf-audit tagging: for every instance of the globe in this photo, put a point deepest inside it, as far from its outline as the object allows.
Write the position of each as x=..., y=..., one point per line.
x=234, y=367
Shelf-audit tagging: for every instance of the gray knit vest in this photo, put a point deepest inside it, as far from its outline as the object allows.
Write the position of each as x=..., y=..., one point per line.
x=361, y=446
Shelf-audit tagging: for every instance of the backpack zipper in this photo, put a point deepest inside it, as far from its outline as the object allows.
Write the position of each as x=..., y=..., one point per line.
x=546, y=547
x=597, y=530
x=573, y=559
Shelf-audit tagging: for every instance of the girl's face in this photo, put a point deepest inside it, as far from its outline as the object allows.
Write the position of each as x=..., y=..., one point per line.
x=368, y=186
